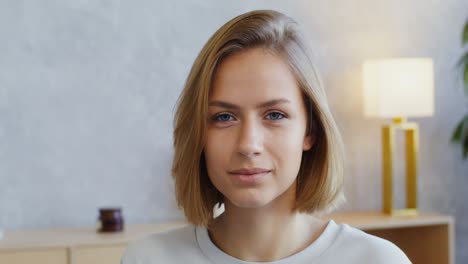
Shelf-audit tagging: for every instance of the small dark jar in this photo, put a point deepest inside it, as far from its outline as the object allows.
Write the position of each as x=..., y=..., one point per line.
x=111, y=220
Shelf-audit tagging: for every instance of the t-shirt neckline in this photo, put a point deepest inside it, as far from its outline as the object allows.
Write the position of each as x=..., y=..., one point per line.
x=311, y=252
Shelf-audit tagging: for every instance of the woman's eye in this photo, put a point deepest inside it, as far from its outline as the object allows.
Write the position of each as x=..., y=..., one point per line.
x=275, y=116
x=223, y=117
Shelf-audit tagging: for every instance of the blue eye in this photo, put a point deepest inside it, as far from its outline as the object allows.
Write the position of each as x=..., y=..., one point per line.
x=224, y=117
x=275, y=116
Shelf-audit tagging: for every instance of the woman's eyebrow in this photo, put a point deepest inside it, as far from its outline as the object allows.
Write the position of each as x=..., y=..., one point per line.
x=262, y=105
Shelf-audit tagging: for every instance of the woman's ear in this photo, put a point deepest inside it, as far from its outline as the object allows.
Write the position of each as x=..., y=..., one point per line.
x=309, y=141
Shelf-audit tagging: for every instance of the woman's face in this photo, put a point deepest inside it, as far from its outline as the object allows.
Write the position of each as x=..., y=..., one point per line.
x=256, y=129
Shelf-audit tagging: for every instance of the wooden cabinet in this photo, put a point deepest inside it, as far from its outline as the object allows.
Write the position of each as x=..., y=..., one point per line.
x=49, y=256
x=72, y=245
x=97, y=254
x=427, y=238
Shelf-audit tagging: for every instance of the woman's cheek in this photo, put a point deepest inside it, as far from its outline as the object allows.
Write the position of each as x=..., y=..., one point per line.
x=292, y=141
x=218, y=144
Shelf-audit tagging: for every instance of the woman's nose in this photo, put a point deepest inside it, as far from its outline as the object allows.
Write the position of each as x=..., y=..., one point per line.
x=250, y=141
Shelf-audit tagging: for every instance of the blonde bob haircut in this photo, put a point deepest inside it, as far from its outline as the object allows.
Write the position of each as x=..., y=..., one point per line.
x=320, y=177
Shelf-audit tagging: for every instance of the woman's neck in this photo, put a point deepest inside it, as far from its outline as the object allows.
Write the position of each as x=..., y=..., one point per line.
x=264, y=234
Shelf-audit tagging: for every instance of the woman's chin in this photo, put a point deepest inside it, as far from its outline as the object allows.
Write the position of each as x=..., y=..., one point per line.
x=249, y=202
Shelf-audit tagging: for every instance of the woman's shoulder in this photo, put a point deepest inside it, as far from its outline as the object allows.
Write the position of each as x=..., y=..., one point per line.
x=354, y=243
x=163, y=247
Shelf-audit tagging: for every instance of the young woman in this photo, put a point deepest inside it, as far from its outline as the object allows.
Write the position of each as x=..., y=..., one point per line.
x=253, y=132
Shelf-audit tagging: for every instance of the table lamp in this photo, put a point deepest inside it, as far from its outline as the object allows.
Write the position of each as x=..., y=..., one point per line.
x=398, y=88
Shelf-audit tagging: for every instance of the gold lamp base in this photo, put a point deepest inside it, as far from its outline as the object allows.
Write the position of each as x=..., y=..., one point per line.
x=388, y=141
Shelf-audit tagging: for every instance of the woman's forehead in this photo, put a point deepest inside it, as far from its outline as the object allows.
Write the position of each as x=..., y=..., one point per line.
x=256, y=75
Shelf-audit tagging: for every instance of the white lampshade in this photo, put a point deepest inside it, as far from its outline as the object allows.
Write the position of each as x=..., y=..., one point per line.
x=399, y=87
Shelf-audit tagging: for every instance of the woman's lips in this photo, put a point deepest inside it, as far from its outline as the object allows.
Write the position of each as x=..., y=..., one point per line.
x=249, y=175
x=249, y=171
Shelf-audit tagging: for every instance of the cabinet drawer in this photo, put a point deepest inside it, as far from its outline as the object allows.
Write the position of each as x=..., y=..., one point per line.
x=98, y=254
x=46, y=256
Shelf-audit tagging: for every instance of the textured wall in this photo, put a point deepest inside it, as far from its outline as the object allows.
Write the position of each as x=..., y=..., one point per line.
x=87, y=91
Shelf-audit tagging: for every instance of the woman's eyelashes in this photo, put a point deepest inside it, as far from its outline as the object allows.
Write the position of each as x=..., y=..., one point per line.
x=276, y=115
x=228, y=117
x=223, y=117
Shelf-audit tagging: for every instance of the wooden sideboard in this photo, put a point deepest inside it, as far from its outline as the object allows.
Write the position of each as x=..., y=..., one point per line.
x=427, y=238
x=72, y=245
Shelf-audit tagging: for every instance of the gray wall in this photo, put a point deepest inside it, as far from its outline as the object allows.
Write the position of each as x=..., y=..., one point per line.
x=87, y=91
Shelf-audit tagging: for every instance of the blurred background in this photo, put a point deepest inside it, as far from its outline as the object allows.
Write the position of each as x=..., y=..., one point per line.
x=88, y=91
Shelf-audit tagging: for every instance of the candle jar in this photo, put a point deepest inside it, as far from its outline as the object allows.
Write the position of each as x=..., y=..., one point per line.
x=111, y=220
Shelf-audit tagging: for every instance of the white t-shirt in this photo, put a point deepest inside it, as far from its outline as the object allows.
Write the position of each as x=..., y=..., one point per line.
x=338, y=243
